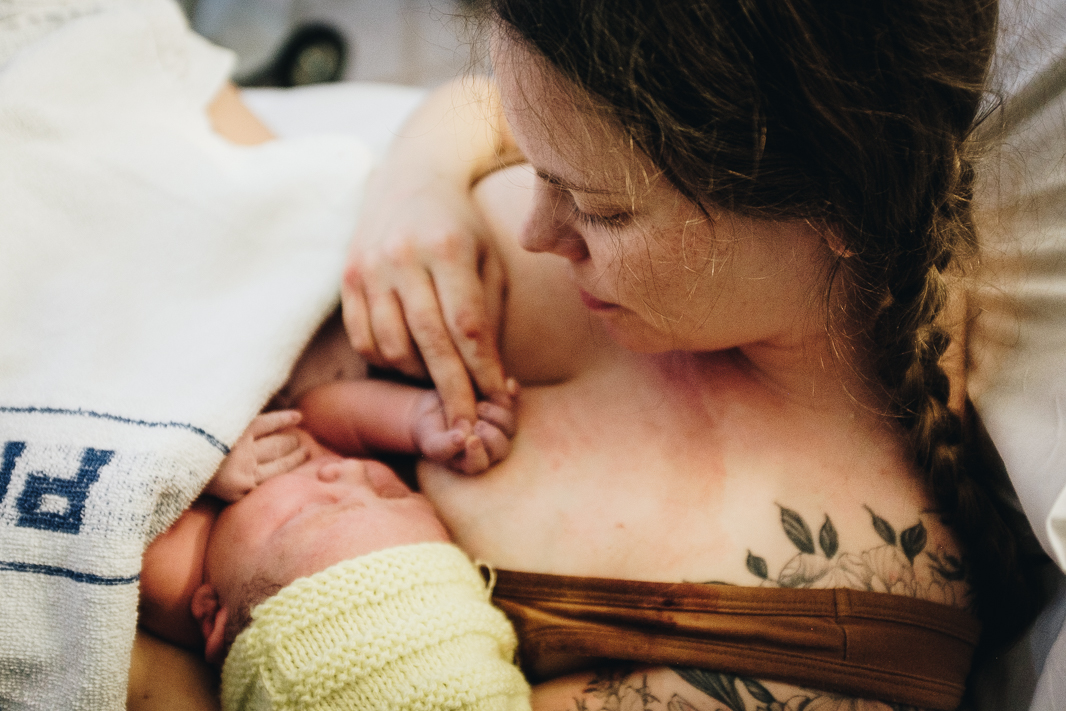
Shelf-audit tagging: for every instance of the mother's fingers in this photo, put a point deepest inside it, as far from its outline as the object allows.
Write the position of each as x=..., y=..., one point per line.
x=471, y=311
x=394, y=344
x=374, y=320
x=423, y=292
x=356, y=314
x=394, y=320
x=443, y=361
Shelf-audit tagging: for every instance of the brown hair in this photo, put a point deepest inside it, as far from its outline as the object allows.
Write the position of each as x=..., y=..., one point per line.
x=849, y=114
x=252, y=593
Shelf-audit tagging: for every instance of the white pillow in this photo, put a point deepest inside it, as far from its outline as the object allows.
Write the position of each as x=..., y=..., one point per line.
x=1018, y=338
x=371, y=111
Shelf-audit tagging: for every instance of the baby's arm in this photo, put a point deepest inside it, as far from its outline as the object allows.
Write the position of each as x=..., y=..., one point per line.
x=360, y=417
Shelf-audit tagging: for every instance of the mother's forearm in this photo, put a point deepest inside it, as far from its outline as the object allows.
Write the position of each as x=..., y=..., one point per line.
x=458, y=133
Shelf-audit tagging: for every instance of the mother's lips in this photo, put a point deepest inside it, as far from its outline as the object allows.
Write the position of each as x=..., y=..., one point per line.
x=594, y=304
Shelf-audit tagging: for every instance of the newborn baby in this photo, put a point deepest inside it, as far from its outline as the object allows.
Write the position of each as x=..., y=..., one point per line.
x=321, y=579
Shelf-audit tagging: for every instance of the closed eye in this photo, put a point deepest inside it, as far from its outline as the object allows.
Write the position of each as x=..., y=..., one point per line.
x=590, y=219
x=612, y=221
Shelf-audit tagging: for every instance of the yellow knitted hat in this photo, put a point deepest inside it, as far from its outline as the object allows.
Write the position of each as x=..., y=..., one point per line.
x=404, y=628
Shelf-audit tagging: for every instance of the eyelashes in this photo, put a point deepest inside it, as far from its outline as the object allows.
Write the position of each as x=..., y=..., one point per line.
x=589, y=219
x=611, y=221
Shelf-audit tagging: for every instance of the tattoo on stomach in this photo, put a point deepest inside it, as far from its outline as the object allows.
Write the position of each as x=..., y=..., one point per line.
x=622, y=689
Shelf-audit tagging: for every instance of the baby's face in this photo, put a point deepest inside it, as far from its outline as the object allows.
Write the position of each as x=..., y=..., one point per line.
x=300, y=523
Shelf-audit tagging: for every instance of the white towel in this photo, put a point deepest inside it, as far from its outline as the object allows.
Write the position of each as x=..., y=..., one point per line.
x=156, y=284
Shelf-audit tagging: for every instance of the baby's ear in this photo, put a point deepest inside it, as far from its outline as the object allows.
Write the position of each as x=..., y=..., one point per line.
x=211, y=616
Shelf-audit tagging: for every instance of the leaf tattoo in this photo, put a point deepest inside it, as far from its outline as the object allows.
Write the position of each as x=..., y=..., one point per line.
x=721, y=687
x=677, y=703
x=725, y=688
x=892, y=568
x=883, y=528
x=827, y=538
x=758, y=692
x=757, y=566
x=608, y=683
x=632, y=691
x=797, y=530
x=913, y=541
x=646, y=697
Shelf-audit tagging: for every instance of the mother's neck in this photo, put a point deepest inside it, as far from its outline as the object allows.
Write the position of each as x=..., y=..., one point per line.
x=815, y=374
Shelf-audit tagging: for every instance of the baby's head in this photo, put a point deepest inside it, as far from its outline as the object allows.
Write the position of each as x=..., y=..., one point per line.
x=296, y=525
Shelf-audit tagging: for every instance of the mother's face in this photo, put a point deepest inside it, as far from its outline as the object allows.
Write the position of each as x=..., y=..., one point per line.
x=662, y=273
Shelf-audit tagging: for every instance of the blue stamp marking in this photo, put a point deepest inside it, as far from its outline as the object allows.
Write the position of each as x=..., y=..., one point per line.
x=37, y=505
x=75, y=575
x=12, y=451
x=213, y=441
x=39, y=485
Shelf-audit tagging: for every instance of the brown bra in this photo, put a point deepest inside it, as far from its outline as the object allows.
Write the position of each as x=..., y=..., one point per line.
x=870, y=645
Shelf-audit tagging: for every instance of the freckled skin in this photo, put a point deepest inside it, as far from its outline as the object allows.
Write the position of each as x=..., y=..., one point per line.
x=568, y=471
x=665, y=465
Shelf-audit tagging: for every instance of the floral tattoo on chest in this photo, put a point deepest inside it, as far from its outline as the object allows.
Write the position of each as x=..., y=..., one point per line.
x=902, y=565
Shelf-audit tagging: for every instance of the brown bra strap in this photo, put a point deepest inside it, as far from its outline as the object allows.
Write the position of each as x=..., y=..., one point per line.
x=870, y=645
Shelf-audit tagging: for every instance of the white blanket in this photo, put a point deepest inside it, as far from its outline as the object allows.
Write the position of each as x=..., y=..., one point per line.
x=156, y=284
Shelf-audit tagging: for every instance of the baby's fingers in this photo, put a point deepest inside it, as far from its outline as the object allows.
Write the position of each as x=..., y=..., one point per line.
x=275, y=446
x=474, y=459
x=281, y=465
x=497, y=444
x=502, y=418
x=443, y=446
x=271, y=422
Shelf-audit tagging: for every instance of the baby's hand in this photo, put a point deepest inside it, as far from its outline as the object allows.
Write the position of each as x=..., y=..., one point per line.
x=265, y=450
x=465, y=448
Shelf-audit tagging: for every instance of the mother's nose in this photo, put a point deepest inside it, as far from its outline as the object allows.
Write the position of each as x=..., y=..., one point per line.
x=549, y=228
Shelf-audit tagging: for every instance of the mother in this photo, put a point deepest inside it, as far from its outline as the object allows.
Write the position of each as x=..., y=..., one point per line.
x=733, y=373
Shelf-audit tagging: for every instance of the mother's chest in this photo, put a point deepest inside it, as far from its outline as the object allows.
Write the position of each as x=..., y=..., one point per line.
x=600, y=482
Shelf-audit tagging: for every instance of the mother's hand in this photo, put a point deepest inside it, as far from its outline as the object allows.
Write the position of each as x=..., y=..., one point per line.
x=423, y=293
x=424, y=285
